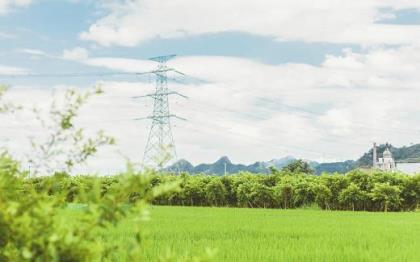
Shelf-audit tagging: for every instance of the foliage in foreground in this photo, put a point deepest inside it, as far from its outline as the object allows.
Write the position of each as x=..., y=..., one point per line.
x=34, y=221
x=34, y=225
x=65, y=145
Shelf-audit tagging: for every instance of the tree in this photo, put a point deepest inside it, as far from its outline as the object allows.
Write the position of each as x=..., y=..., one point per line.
x=262, y=195
x=284, y=194
x=387, y=195
x=304, y=192
x=243, y=194
x=335, y=183
x=362, y=179
x=230, y=194
x=193, y=190
x=352, y=195
x=323, y=196
x=298, y=167
x=215, y=192
x=410, y=192
x=253, y=193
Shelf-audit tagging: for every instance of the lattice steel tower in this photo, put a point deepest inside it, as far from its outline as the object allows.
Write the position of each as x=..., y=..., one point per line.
x=160, y=147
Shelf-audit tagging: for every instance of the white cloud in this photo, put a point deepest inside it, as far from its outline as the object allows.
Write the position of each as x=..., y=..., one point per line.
x=342, y=107
x=81, y=55
x=121, y=64
x=6, y=35
x=253, y=111
x=335, y=108
x=35, y=52
x=76, y=54
x=129, y=23
x=7, y=5
x=10, y=70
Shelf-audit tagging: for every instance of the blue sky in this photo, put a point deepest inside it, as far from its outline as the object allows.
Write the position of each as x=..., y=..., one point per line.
x=52, y=26
x=289, y=78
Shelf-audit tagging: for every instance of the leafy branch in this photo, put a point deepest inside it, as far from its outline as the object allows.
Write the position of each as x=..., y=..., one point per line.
x=6, y=106
x=65, y=145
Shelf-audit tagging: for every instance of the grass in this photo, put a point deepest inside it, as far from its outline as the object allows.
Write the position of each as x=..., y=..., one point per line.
x=279, y=235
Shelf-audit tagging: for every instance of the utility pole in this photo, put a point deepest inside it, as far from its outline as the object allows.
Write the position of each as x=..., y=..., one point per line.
x=160, y=147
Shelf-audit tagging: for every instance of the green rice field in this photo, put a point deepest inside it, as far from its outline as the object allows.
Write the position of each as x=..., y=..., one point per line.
x=231, y=234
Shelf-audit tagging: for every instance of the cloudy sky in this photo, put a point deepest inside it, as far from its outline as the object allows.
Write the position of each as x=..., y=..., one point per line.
x=318, y=80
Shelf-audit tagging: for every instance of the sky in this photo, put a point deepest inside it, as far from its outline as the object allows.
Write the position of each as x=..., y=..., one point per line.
x=319, y=80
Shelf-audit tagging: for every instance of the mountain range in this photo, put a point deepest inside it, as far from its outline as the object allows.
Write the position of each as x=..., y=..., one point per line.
x=409, y=154
x=225, y=165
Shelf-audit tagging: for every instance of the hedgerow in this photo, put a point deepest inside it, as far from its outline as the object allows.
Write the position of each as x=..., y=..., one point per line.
x=358, y=190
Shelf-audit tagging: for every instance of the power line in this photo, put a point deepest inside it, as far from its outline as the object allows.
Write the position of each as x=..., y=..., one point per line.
x=213, y=106
x=67, y=75
x=167, y=69
x=199, y=128
x=278, y=130
x=258, y=141
x=313, y=113
x=93, y=74
x=160, y=135
x=364, y=125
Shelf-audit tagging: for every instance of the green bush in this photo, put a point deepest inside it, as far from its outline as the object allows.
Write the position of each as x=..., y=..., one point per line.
x=34, y=223
x=357, y=190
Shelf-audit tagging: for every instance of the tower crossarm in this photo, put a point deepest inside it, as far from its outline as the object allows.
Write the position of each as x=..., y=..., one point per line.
x=157, y=71
x=162, y=59
x=161, y=117
x=157, y=95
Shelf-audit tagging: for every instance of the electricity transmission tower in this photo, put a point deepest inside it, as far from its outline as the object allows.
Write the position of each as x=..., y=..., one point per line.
x=160, y=147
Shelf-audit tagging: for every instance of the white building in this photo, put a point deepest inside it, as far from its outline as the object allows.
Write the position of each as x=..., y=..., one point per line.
x=386, y=163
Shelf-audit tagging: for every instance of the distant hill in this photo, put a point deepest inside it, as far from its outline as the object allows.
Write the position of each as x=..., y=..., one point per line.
x=409, y=154
x=337, y=167
x=279, y=163
x=218, y=167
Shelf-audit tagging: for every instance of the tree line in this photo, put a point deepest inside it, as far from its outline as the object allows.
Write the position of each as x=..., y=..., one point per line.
x=358, y=190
